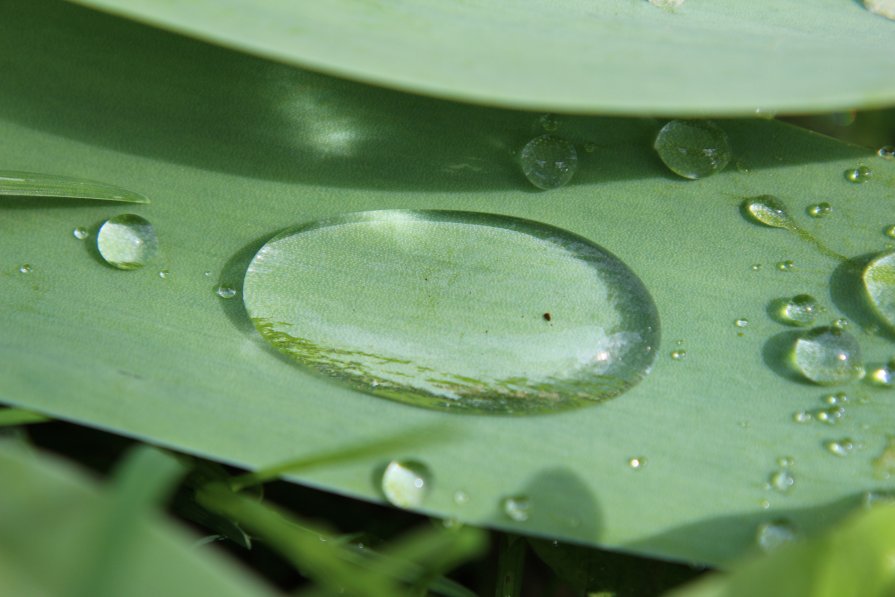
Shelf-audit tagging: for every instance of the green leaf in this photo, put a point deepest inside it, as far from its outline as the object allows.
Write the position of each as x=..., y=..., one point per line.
x=15, y=416
x=53, y=520
x=852, y=560
x=31, y=184
x=233, y=149
x=623, y=57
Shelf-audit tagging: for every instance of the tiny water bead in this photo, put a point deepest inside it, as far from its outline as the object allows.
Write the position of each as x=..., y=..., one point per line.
x=548, y=162
x=461, y=498
x=517, y=508
x=163, y=274
x=781, y=481
x=768, y=210
x=884, y=8
x=127, y=241
x=882, y=376
x=25, y=268
x=636, y=463
x=840, y=447
x=889, y=231
x=667, y=3
x=441, y=323
x=225, y=292
x=693, y=148
x=879, y=286
x=887, y=152
x=80, y=233
x=405, y=483
x=858, y=175
x=819, y=210
x=828, y=355
x=755, y=267
x=800, y=310
x=678, y=355
x=786, y=266
x=773, y=534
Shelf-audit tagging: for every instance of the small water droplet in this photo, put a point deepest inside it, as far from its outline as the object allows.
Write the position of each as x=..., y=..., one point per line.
x=25, y=268
x=782, y=481
x=678, y=355
x=828, y=355
x=80, y=233
x=163, y=274
x=800, y=310
x=819, y=210
x=667, y=3
x=517, y=508
x=206, y=273
x=764, y=504
x=597, y=345
x=741, y=322
x=693, y=148
x=773, y=534
x=875, y=498
x=548, y=162
x=841, y=323
x=879, y=285
x=405, y=483
x=637, y=462
x=225, y=292
x=837, y=398
x=549, y=122
x=127, y=241
x=768, y=210
x=884, y=8
x=829, y=416
x=858, y=175
x=881, y=376
x=840, y=447
x=755, y=267
x=786, y=265
x=786, y=461
x=461, y=497
x=802, y=416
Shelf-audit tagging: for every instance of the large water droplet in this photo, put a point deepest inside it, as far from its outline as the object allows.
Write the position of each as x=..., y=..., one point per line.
x=858, y=175
x=800, y=310
x=127, y=241
x=879, y=284
x=885, y=8
x=548, y=162
x=405, y=483
x=449, y=314
x=828, y=355
x=771, y=535
x=693, y=148
x=517, y=507
x=768, y=210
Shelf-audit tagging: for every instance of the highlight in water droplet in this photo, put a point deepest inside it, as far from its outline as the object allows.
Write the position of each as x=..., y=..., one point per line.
x=517, y=508
x=80, y=233
x=884, y=8
x=127, y=241
x=771, y=535
x=406, y=483
x=858, y=175
x=693, y=148
x=459, y=330
x=548, y=162
x=25, y=268
x=800, y=310
x=225, y=292
x=828, y=355
x=819, y=210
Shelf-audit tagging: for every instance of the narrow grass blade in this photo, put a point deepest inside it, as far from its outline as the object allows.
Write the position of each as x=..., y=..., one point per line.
x=510, y=566
x=17, y=416
x=32, y=184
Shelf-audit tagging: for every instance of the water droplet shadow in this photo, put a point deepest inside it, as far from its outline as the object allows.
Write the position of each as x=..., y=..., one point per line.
x=847, y=293
x=777, y=355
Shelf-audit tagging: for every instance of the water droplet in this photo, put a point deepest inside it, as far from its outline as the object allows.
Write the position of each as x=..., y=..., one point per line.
x=741, y=323
x=841, y=323
x=786, y=461
x=875, y=498
x=755, y=267
x=693, y=148
x=666, y=3
x=884, y=8
x=206, y=273
x=549, y=122
x=768, y=210
x=548, y=162
x=225, y=292
x=163, y=274
x=802, y=416
x=800, y=310
x=590, y=147
x=127, y=241
x=828, y=355
x=819, y=210
x=405, y=483
x=786, y=265
x=637, y=462
x=25, y=268
x=678, y=355
x=881, y=376
x=837, y=398
x=445, y=325
x=858, y=175
x=782, y=481
x=764, y=504
x=771, y=535
x=829, y=416
x=840, y=447
x=461, y=497
x=879, y=284
x=80, y=233
x=517, y=507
